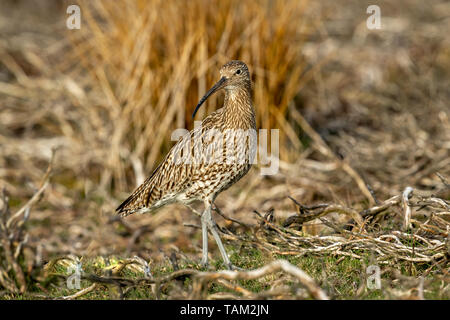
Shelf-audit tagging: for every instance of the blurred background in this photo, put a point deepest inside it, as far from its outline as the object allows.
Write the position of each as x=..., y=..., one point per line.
x=362, y=113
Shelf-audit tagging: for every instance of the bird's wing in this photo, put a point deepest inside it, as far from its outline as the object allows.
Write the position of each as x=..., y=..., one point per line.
x=169, y=178
x=165, y=179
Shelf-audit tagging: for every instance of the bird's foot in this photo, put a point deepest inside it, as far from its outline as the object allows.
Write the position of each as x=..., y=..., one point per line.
x=231, y=266
x=204, y=264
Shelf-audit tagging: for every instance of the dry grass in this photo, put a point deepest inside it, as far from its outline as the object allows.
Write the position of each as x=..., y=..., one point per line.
x=362, y=116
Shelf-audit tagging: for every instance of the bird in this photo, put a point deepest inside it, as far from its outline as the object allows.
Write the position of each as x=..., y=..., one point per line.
x=207, y=160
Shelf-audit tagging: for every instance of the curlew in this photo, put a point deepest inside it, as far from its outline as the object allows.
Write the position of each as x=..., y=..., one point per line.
x=207, y=160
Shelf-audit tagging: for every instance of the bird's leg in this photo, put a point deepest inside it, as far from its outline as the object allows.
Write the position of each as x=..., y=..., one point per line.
x=212, y=226
x=204, y=220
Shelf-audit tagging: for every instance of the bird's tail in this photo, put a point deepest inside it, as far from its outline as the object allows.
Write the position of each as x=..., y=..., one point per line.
x=127, y=207
x=137, y=201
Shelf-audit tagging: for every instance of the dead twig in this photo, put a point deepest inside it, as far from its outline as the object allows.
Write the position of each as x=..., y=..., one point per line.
x=202, y=278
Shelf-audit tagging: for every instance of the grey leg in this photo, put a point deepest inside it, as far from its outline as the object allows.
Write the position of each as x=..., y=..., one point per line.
x=204, y=220
x=213, y=228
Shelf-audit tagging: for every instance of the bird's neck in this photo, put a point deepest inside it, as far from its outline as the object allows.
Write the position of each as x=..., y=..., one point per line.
x=238, y=108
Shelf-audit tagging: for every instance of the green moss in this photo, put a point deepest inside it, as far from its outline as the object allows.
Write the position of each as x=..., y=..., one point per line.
x=341, y=277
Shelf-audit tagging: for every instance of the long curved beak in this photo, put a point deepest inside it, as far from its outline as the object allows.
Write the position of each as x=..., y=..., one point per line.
x=219, y=85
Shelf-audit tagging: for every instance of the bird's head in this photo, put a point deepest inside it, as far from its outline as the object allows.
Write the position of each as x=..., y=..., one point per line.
x=234, y=75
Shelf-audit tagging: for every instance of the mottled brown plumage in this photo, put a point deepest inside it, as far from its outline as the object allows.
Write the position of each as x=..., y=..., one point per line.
x=207, y=160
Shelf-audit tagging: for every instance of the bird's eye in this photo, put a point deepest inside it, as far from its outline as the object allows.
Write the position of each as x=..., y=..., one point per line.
x=238, y=72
